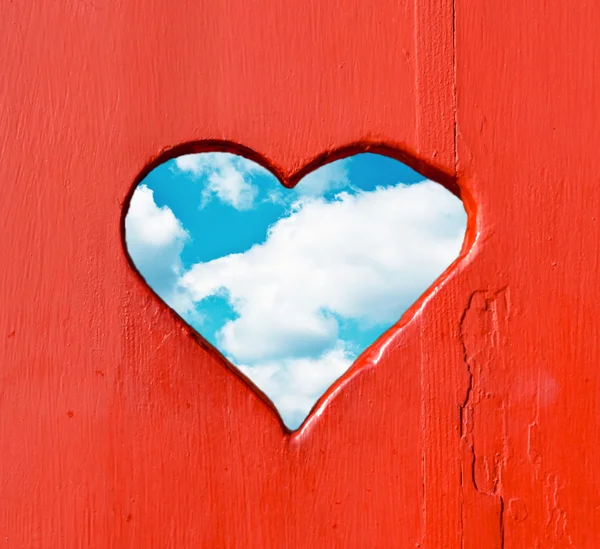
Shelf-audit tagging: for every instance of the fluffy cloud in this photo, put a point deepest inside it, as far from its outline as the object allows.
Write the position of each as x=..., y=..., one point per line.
x=327, y=178
x=150, y=226
x=295, y=384
x=366, y=256
x=155, y=239
x=229, y=177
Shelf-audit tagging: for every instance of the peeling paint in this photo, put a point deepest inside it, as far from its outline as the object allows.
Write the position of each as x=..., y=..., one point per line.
x=482, y=413
x=556, y=516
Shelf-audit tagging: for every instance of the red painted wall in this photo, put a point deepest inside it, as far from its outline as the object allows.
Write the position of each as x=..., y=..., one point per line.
x=474, y=424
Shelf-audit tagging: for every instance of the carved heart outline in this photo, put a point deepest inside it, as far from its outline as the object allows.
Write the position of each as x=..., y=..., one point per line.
x=373, y=353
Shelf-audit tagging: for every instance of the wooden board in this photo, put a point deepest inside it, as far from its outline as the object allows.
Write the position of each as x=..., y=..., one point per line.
x=473, y=423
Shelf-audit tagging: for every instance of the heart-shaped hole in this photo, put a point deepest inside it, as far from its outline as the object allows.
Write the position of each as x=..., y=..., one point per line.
x=291, y=285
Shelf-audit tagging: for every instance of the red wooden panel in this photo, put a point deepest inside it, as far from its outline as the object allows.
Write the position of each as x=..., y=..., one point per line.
x=473, y=425
x=528, y=134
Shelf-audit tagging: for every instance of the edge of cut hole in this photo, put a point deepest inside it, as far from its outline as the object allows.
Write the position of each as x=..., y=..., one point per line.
x=371, y=355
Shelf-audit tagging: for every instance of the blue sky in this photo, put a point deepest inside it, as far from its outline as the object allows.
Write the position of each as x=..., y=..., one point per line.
x=291, y=285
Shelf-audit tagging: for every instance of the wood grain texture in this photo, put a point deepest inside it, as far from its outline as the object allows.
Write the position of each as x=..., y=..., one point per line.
x=528, y=132
x=473, y=423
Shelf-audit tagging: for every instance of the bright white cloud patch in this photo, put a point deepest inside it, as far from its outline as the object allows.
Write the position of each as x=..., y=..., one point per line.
x=330, y=177
x=365, y=257
x=155, y=240
x=149, y=226
x=229, y=177
x=295, y=384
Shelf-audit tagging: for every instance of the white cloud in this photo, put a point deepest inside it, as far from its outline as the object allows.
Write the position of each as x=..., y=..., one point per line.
x=150, y=226
x=366, y=256
x=327, y=178
x=229, y=177
x=155, y=239
x=295, y=384
x=330, y=177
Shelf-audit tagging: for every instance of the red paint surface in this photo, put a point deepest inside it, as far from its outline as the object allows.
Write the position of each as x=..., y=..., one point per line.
x=474, y=425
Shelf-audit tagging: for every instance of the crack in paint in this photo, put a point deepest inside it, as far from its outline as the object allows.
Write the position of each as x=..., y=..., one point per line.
x=555, y=529
x=480, y=338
